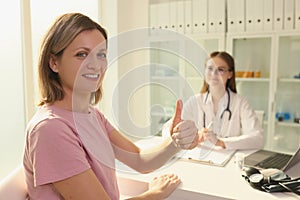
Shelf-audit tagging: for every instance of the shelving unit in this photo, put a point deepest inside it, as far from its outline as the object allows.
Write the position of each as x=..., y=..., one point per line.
x=272, y=55
x=286, y=90
x=277, y=90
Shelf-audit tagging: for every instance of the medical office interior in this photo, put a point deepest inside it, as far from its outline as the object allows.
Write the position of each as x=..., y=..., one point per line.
x=262, y=35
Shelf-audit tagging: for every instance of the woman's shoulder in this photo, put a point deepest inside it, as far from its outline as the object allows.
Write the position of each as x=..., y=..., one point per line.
x=237, y=96
x=196, y=97
x=47, y=118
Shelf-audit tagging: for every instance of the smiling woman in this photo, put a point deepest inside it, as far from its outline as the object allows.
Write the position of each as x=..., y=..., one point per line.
x=70, y=146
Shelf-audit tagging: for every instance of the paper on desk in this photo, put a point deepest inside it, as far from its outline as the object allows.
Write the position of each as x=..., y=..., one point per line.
x=207, y=153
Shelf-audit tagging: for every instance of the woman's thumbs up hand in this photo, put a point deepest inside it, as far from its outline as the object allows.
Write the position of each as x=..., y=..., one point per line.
x=184, y=133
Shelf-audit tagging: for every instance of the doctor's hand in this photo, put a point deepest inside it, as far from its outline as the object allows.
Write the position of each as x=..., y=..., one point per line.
x=212, y=137
x=184, y=133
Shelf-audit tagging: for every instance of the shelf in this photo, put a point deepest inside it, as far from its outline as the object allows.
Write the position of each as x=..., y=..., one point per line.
x=289, y=80
x=158, y=114
x=288, y=124
x=194, y=78
x=170, y=78
x=252, y=79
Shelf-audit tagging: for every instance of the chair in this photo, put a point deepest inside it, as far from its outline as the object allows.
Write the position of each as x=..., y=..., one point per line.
x=13, y=186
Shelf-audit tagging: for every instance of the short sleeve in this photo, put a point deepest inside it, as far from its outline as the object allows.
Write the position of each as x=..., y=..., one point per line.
x=56, y=152
x=108, y=126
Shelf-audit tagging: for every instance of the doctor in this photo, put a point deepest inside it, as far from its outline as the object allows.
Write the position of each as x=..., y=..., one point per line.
x=221, y=115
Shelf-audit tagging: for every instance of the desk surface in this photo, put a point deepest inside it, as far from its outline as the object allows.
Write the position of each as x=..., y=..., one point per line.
x=200, y=180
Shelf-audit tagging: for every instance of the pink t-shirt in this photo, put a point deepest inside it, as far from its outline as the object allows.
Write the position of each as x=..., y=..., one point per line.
x=61, y=144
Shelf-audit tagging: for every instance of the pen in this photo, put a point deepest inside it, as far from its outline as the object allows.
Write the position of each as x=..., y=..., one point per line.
x=209, y=125
x=208, y=162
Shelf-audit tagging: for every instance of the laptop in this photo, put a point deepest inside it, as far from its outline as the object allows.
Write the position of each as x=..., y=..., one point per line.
x=264, y=159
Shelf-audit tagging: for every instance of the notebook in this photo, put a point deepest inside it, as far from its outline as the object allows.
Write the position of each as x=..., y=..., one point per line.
x=269, y=159
x=208, y=154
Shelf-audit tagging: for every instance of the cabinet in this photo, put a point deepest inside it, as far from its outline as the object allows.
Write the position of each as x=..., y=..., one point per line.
x=287, y=92
x=275, y=57
x=177, y=63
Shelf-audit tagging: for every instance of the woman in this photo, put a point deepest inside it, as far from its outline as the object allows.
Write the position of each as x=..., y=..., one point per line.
x=70, y=145
x=221, y=115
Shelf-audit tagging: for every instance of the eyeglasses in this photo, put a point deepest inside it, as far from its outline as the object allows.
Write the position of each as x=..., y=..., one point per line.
x=216, y=70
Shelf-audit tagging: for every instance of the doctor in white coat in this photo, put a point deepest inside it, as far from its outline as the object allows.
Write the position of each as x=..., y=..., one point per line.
x=222, y=116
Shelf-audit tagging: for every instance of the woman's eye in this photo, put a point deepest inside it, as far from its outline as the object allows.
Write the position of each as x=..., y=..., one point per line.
x=81, y=54
x=210, y=68
x=101, y=55
x=221, y=70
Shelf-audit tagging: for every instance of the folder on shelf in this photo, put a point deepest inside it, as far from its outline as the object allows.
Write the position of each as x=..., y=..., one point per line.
x=297, y=14
x=153, y=18
x=250, y=15
x=199, y=13
x=211, y=27
x=216, y=16
x=268, y=19
x=220, y=15
x=258, y=14
x=188, y=16
x=288, y=22
x=173, y=15
x=278, y=14
x=236, y=15
x=180, y=16
x=231, y=16
x=163, y=16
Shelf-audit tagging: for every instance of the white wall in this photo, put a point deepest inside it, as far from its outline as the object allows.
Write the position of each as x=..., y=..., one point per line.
x=12, y=120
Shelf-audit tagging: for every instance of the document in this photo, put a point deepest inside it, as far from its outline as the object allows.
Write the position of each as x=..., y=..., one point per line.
x=207, y=153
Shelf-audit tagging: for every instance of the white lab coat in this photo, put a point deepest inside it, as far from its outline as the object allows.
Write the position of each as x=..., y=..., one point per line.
x=242, y=131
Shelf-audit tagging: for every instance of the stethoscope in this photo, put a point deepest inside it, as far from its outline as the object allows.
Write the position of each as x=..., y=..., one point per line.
x=226, y=110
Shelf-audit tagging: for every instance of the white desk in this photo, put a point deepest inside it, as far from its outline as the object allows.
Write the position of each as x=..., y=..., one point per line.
x=203, y=181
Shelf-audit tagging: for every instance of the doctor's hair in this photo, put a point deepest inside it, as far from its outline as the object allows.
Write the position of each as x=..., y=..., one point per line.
x=231, y=67
x=60, y=35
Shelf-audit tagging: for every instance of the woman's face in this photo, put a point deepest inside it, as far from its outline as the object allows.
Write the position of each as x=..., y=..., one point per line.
x=217, y=72
x=83, y=63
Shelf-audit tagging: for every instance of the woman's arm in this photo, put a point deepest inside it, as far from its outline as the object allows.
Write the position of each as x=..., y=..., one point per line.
x=81, y=186
x=160, y=188
x=142, y=160
x=183, y=135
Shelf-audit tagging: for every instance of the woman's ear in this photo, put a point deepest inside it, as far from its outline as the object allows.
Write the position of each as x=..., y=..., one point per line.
x=53, y=63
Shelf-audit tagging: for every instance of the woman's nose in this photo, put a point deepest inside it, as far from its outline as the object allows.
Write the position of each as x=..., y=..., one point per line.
x=97, y=64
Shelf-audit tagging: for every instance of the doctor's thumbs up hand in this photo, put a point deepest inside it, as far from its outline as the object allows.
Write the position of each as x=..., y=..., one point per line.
x=184, y=133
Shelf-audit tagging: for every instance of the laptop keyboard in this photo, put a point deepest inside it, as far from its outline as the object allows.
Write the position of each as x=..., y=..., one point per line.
x=277, y=161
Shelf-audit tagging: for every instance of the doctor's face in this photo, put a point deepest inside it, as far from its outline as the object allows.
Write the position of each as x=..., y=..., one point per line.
x=217, y=72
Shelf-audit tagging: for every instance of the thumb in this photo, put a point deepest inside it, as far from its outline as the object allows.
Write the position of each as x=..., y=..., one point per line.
x=177, y=115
